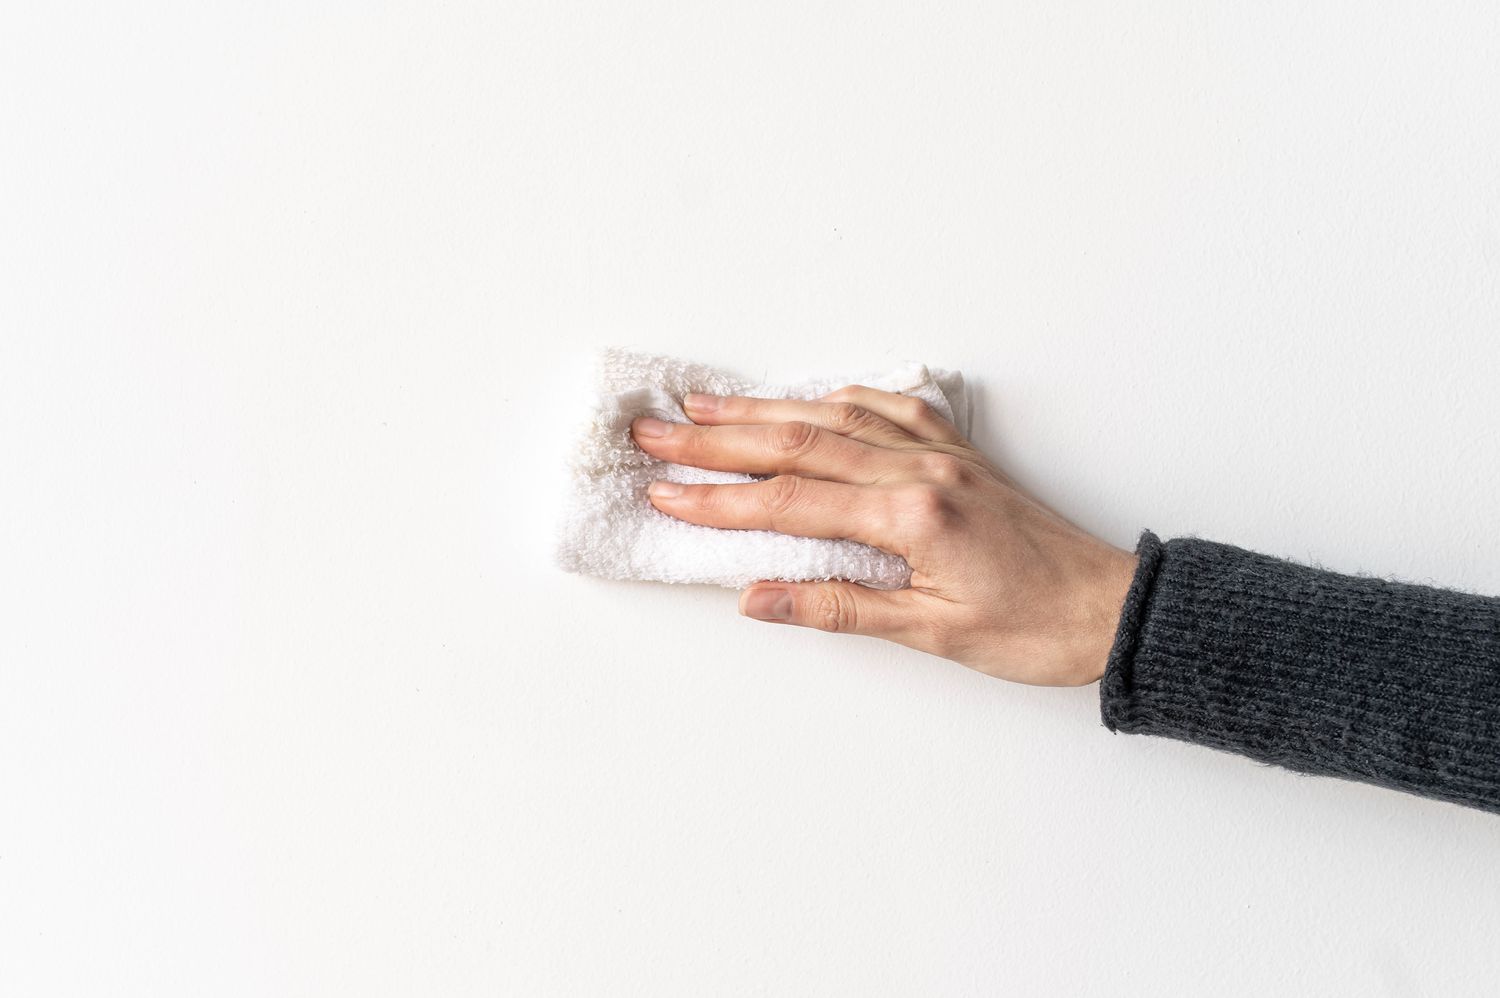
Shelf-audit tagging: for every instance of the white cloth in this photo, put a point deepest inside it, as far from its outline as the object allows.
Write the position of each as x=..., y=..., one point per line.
x=610, y=529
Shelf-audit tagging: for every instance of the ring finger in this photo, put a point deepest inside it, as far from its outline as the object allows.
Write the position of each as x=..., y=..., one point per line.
x=906, y=411
x=786, y=504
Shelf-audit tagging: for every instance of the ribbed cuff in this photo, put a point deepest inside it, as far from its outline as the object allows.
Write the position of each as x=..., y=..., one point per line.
x=1319, y=672
x=1115, y=687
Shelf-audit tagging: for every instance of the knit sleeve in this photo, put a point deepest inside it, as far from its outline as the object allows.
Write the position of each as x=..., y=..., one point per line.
x=1382, y=682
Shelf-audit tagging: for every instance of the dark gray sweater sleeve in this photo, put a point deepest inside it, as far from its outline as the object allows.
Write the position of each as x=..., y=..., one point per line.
x=1348, y=676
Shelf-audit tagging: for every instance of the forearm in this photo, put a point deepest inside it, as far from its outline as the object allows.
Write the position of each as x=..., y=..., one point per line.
x=1387, y=683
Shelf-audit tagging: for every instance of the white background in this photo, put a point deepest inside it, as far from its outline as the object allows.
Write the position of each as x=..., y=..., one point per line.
x=295, y=306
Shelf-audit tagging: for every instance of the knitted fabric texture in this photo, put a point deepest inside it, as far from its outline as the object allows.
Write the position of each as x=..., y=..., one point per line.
x=1382, y=682
x=610, y=529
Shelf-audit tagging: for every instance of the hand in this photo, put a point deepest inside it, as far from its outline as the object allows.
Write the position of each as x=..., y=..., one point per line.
x=999, y=582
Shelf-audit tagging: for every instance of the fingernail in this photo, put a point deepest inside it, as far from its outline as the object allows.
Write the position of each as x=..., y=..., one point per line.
x=769, y=604
x=703, y=403
x=664, y=490
x=648, y=426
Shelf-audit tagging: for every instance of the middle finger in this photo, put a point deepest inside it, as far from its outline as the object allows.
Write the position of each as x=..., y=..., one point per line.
x=843, y=418
x=780, y=448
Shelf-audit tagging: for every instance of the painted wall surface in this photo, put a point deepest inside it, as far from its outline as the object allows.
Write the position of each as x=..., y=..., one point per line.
x=295, y=307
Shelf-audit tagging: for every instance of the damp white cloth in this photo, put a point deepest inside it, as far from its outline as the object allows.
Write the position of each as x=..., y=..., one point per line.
x=610, y=529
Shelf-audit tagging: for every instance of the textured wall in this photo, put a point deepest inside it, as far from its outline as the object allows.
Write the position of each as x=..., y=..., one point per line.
x=291, y=698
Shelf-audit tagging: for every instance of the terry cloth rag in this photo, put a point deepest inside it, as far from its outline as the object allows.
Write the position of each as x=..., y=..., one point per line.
x=610, y=529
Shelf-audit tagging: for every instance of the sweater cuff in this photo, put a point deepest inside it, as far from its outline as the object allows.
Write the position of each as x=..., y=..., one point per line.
x=1115, y=688
x=1319, y=672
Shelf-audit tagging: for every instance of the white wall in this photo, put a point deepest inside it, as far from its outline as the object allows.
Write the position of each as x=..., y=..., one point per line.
x=293, y=304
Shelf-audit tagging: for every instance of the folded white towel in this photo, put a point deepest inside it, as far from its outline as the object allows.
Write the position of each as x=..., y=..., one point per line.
x=610, y=528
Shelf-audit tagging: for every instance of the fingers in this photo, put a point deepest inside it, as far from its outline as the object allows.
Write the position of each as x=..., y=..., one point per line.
x=786, y=504
x=840, y=607
x=843, y=418
x=905, y=616
x=910, y=414
x=778, y=448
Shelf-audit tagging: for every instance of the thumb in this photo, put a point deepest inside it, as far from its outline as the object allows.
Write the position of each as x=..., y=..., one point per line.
x=838, y=607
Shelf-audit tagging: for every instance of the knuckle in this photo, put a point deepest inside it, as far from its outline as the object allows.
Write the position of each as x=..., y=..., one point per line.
x=943, y=469
x=925, y=505
x=690, y=441
x=832, y=611
x=913, y=407
x=706, y=497
x=844, y=417
x=793, y=439
x=842, y=394
x=782, y=494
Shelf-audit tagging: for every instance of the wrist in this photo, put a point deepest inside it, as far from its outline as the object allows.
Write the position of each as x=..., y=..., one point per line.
x=1103, y=601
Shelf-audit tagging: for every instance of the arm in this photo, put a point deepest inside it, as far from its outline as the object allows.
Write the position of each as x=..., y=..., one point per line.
x=1392, y=684
x=1325, y=673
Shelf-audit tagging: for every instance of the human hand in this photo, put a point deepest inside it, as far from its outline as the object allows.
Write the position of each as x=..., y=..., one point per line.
x=999, y=582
